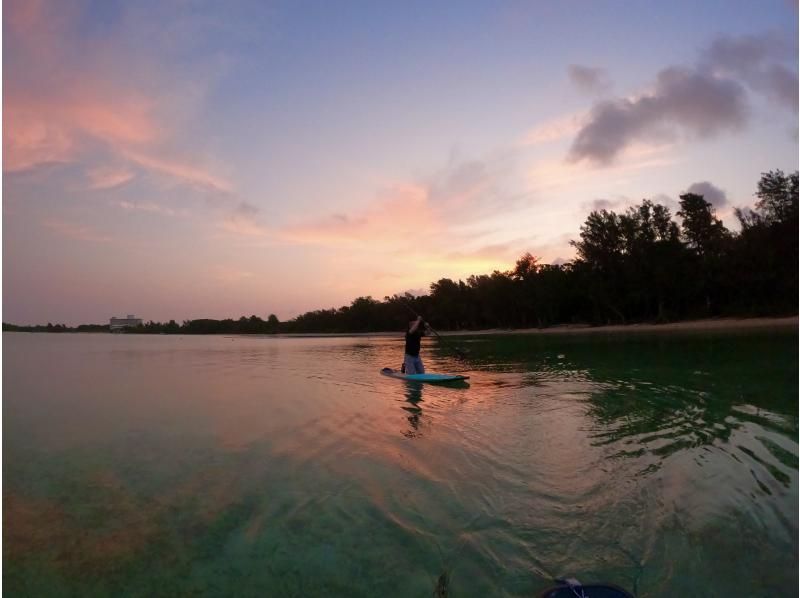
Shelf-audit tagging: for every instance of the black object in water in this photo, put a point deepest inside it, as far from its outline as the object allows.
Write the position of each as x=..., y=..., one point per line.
x=572, y=588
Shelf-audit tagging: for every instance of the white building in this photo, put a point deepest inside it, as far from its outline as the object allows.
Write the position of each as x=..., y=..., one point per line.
x=120, y=324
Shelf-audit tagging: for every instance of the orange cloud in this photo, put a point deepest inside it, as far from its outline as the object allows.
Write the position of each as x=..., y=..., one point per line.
x=404, y=213
x=414, y=227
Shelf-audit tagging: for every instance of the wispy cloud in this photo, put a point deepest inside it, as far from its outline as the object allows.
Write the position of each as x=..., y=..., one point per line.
x=187, y=173
x=553, y=173
x=242, y=221
x=76, y=231
x=145, y=206
x=417, y=225
x=400, y=213
x=555, y=129
x=104, y=177
x=57, y=128
x=435, y=209
x=63, y=101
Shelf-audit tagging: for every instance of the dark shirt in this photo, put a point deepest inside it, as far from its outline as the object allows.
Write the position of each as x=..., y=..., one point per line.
x=412, y=342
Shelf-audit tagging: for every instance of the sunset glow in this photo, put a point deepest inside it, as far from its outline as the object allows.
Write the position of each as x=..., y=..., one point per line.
x=183, y=160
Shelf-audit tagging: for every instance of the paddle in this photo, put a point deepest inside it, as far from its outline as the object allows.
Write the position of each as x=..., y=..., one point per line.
x=462, y=354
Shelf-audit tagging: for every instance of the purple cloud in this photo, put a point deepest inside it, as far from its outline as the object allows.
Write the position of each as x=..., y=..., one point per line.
x=700, y=101
x=712, y=194
x=758, y=62
x=593, y=80
x=694, y=101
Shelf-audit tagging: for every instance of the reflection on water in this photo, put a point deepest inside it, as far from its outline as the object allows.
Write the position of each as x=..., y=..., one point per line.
x=412, y=402
x=264, y=466
x=413, y=398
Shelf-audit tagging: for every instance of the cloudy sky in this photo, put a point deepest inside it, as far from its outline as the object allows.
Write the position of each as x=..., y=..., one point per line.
x=184, y=159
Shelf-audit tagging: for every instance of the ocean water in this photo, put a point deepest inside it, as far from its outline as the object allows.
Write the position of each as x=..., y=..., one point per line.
x=250, y=466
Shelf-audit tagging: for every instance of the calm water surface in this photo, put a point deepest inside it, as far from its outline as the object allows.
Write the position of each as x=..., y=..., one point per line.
x=222, y=466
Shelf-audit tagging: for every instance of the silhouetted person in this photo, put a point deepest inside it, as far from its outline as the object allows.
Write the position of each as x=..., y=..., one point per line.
x=412, y=364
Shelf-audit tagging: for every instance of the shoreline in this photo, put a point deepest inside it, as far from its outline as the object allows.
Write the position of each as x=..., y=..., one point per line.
x=708, y=324
x=704, y=325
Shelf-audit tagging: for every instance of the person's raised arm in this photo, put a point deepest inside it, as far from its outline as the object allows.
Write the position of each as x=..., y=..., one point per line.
x=416, y=325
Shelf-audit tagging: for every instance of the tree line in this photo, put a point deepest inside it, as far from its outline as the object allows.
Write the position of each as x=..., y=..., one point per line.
x=636, y=266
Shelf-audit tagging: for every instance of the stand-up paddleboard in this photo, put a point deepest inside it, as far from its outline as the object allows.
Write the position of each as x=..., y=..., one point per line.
x=423, y=377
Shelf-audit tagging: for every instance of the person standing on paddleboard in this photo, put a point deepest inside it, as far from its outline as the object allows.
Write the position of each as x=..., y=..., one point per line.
x=412, y=364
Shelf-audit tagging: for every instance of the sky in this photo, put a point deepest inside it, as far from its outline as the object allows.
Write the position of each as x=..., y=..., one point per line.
x=180, y=159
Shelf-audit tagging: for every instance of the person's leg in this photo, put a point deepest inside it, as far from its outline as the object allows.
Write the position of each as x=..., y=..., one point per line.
x=410, y=365
x=418, y=365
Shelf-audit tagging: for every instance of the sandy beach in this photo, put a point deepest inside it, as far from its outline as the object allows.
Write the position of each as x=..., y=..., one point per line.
x=731, y=324
x=692, y=325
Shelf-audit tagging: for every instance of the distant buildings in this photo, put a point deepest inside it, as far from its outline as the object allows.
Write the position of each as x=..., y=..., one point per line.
x=120, y=324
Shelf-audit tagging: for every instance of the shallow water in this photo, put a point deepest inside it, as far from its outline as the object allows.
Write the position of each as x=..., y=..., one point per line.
x=176, y=466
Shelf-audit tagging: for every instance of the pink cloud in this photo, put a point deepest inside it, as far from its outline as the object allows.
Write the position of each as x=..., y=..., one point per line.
x=145, y=206
x=108, y=178
x=495, y=252
x=55, y=128
x=29, y=140
x=554, y=130
x=186, y=173
x=238, y=225
x=428, y=215
x=414, y=227
x=62, y=100
x=404, y=212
